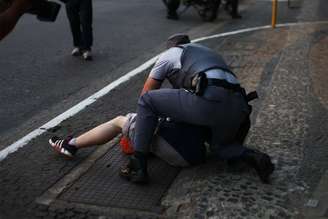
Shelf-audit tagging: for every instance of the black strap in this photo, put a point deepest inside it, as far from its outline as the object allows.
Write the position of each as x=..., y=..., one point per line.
x=224, y=84
x=251, y=96
x=234, y=87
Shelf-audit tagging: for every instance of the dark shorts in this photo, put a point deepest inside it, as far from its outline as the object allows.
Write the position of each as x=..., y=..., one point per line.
x=178, y=144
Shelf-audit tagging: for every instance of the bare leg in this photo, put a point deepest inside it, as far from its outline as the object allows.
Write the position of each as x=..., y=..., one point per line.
x=102, y=133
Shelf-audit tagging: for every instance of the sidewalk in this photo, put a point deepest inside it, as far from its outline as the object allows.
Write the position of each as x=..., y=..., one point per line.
x=287, y=66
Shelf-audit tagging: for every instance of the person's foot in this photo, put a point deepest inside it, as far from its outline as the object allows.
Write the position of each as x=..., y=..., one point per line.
x=261, y=162
x=136, y=169
x=236, y=16
x=76, y=52
x=62, y=146
x=87, y=55
x=172, y=16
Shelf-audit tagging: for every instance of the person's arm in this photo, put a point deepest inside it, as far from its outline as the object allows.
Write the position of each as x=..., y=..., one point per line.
x=158, y=73
x=151, y=84
x=9, y=18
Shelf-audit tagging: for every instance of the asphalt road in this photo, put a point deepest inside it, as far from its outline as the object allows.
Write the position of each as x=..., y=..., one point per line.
x=39, y=79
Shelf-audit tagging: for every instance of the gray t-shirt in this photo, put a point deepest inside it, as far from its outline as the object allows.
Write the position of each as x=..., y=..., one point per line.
x=166, y=63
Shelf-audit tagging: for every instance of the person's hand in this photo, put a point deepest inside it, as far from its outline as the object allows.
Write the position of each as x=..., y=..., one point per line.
x=151, y=84
x=10, y=16
x=4, y=5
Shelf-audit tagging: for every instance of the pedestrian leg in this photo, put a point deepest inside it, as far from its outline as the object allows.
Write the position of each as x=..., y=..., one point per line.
x=102, y=133
x=86, y=24
x=72, y=11
x=172, y=7
x=234, y=9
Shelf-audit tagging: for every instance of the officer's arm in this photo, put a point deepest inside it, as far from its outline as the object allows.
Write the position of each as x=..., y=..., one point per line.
x=9, y=18
x=151, y=84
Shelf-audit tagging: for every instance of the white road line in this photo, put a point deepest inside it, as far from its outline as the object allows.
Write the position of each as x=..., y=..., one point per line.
x=80, y=106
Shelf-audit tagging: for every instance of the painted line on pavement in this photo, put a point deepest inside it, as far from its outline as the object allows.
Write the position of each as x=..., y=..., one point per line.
x=93, y=98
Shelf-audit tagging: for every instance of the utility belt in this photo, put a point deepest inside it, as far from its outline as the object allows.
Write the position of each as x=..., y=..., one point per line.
x=219, y=78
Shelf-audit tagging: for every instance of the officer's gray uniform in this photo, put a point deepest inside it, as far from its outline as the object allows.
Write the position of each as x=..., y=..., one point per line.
x=219, y=108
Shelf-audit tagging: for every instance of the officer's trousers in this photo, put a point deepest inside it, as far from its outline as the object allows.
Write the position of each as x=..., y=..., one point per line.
x=223, y=116
x=79, y=13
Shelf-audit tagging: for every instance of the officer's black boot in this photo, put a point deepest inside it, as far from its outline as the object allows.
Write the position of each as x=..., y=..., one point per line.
x=136, y=169
x=261, y=162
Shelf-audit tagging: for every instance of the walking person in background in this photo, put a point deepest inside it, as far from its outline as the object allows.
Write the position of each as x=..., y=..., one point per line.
x=79, y=13
x=172, y=7
x=171, y=142
x=232, y=7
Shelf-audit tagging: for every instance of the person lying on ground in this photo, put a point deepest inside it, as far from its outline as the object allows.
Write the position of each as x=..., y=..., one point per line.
x=178, y=144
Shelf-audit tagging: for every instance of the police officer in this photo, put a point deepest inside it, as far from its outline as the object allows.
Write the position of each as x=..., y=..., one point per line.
x=205, y=92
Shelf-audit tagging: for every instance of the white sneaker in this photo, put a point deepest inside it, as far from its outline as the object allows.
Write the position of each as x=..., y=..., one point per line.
x=76, y=52
x=87, y=55
x=62, y=146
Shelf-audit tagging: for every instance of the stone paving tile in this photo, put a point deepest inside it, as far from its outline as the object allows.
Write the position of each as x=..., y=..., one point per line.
x=281, y=129
x=102, y=186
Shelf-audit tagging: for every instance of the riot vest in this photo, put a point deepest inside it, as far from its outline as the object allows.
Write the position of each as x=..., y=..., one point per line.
x=195, y=58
